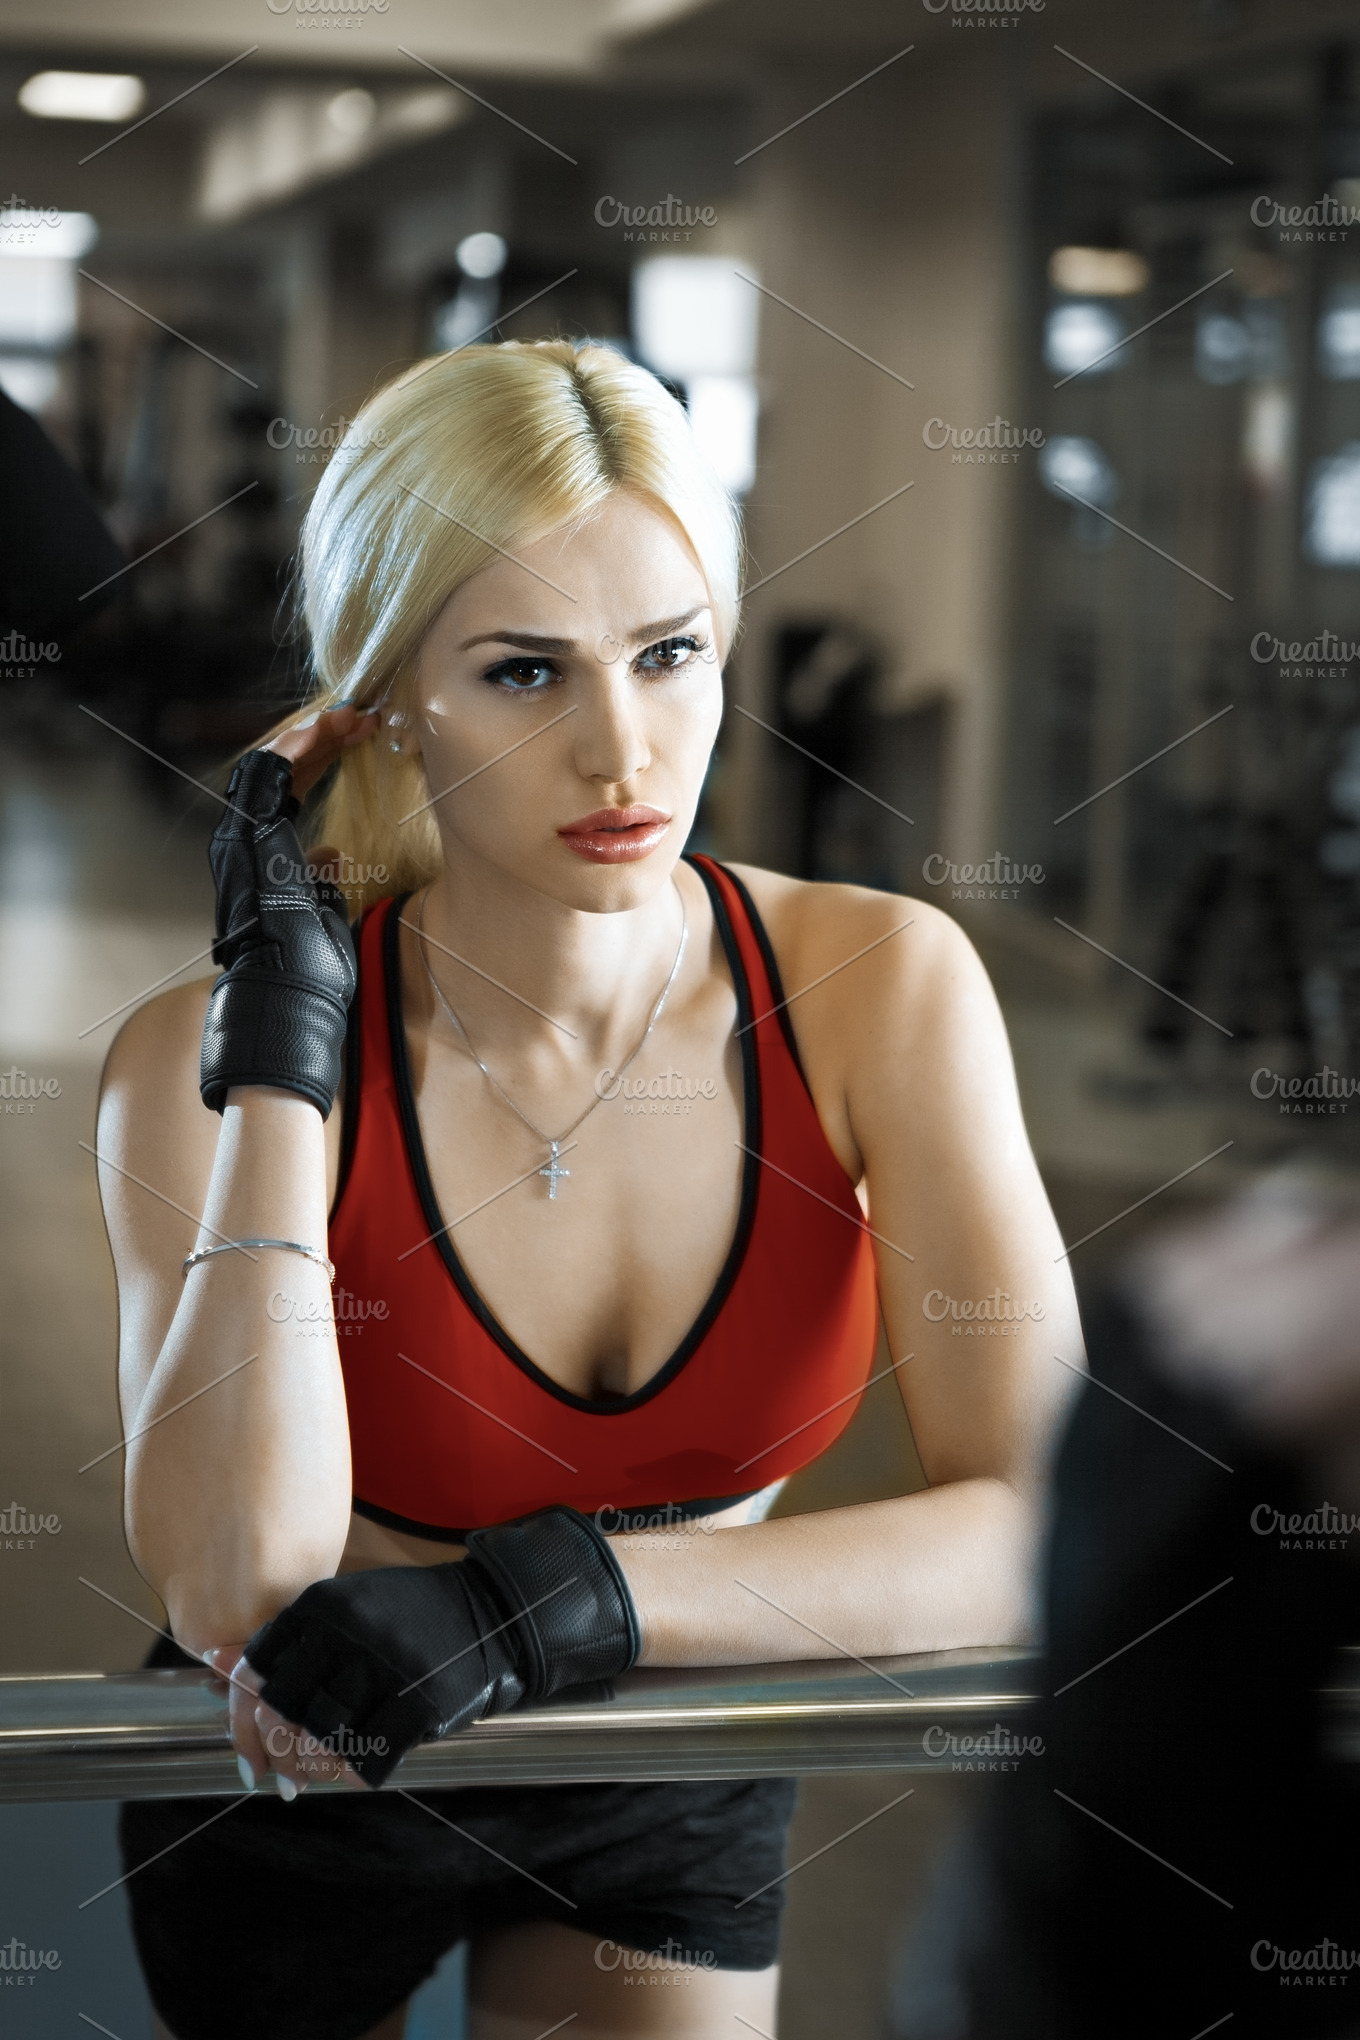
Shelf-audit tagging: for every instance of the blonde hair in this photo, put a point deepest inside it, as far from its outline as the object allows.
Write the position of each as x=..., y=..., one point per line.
x=487, y=448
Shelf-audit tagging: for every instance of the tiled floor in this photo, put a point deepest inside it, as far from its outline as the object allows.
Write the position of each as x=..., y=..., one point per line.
x=104, y=890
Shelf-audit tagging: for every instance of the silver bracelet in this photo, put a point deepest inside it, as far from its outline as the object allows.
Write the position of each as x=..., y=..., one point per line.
x=288, y=1246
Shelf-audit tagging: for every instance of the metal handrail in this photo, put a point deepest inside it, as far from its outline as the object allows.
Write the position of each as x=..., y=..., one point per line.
x=157, y=1735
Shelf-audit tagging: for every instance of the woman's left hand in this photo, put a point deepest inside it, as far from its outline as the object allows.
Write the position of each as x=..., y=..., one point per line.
x=265, y=1741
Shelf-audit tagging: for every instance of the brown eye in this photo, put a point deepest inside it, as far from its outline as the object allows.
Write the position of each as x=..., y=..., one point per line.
x=522, y=676
x=670, y=655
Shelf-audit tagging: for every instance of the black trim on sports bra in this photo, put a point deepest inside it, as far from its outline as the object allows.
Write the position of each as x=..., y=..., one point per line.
x=429, y=1204
x=350, y=1090
x=628, y=1519
x=758, y=929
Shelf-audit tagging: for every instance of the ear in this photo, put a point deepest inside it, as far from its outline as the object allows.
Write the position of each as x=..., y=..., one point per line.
x=400, y=736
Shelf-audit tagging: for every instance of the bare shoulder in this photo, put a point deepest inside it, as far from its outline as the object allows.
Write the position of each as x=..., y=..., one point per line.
x=862, y=948
x=152, y=1122
x=888, y=1003
x=157, y=1140
x=158, y=1046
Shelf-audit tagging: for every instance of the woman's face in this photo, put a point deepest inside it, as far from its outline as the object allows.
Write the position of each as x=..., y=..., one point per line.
x=566, y=703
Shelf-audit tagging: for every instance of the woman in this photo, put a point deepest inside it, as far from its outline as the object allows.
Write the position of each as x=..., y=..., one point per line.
x=553, y=1309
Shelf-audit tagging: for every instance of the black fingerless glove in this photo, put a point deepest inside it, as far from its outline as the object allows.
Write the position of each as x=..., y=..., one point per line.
x=277, y=1017
x=373, y=1662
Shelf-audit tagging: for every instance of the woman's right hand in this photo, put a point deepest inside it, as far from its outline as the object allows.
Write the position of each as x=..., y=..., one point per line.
x=277, y=1015
x=313, y=746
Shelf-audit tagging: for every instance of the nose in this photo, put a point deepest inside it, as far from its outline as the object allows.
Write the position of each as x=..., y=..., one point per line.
x=611, y=745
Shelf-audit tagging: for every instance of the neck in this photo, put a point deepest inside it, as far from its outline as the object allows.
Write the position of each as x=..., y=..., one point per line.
x=592, y=977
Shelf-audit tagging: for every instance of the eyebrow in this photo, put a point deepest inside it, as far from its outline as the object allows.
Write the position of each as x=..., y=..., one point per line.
x=533, y=641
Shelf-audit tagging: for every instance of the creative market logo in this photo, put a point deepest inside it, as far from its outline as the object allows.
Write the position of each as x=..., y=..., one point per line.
x=20, y=657
x=20, y=1529
x=1325, y=1091
x=667, y=1964
x=21, y=1093
x=20, y=1964
x=984, y=13
x=665, y=219
x=317, y=1753
x=339, y=1311
x=998, y=444
x=996, y=1316
x=666, y=1095
x=1324, y=1528
x=21, y=223
x=1321, y=657
x=332, y=14
x=1324, y=1963
x=612, y=1522
x=316, y=445
x=342, y=872
x=1326, y=219
x=996, y=878
x=996, y=1749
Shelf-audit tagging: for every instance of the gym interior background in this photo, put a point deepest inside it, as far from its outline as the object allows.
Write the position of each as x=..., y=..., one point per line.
x=1029, y=336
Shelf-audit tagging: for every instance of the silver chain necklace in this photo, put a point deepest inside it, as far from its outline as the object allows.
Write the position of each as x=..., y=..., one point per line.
x=552, y=1168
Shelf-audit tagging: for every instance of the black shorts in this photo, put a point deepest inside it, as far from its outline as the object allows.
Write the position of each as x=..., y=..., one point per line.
x=312, y=1921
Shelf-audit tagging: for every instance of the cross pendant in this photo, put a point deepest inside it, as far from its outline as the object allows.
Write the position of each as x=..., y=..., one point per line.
x=553, y=1170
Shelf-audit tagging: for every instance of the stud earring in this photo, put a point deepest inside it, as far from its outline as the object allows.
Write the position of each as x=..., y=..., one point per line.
x=394, y=743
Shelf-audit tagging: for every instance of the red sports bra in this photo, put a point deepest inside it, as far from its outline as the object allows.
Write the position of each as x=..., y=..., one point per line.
x=474, y=1433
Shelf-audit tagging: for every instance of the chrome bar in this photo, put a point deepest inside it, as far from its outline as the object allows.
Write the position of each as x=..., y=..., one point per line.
x=159, y=1735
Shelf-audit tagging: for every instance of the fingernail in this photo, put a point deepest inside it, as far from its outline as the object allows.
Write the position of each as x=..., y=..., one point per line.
x=287, y=1789
x=247, y=1775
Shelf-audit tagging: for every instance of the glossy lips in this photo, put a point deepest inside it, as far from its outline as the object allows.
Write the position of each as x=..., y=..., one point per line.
x=616, y=835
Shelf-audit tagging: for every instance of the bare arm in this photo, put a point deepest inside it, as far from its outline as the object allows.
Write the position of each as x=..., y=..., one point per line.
x=237, y=1491
x=240, y=1498
x=911, y=1071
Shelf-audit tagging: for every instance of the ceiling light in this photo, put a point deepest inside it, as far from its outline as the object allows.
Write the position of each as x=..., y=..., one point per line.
x=1222, y=348
x=469, y=315
x=1332, y=510
x=1071, y=467
x=1268, y=436
x=1338, y=335
x=723, y=410
x=694, y=315
x=481, y=255
x=28, y=380
x=1083, y=338
x=35, y=233
x=38, y=281
x=425, y=111
x=353, y=112
x=1098, y=272
x=82, y=95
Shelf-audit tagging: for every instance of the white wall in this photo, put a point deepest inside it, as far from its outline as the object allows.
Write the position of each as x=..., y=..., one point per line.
x=892, y=218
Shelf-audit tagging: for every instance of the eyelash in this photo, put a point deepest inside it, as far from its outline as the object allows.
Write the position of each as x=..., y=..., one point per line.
x=500, y=674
